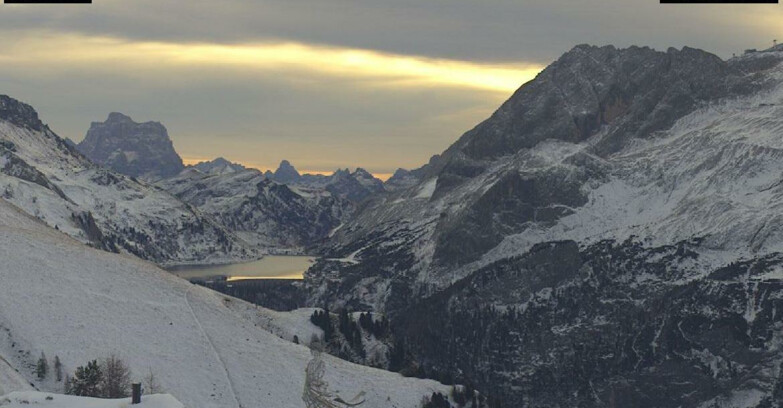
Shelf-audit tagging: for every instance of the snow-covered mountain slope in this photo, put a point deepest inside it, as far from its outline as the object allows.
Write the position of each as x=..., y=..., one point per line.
x=658, y=178
x=271, y=215
x=63, y=298
x=50, y=180
x=657, y=160
x=41, y=399
x=135, y=149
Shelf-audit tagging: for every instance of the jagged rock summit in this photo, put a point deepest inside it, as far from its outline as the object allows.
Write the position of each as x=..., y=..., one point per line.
x=355, y=186
x=624, y=93
x=134, y=149
x=18, y=113
x=401, y=179
x=286, y=173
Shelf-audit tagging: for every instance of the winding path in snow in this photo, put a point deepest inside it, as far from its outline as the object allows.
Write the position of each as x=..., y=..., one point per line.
x=214, y=350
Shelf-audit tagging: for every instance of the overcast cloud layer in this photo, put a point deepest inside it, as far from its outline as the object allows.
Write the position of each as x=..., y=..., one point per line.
x=325, y=83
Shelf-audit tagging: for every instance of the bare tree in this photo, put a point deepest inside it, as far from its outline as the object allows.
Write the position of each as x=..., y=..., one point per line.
x=116, y=378
x=316, y=390
x=151, y=384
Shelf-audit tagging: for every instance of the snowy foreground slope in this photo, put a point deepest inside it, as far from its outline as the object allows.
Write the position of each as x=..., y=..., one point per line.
x=63, y=298
x=11, y=380
x=40, y=399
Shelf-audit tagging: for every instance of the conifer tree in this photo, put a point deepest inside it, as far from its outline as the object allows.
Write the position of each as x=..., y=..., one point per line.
x=42, y=368
x=86, y=382
x=58, y=369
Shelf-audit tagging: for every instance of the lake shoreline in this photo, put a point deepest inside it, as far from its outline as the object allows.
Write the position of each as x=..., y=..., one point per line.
x=283, y=267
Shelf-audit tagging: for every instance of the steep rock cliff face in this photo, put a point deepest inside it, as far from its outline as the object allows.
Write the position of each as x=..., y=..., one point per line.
x=135, y=149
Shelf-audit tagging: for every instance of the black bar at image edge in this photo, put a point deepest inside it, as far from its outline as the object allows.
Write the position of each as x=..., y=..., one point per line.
x=719, y=2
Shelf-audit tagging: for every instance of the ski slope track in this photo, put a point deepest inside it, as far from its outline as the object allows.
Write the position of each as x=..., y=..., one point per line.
x=63, y=298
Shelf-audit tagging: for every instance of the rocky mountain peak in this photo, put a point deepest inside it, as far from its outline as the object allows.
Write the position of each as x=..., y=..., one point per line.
x=401, y=179
x=341, y=173
x=19, y=113
x=622, y=93
x=218, y=166
x=360, y=172
x=368, y=180
x=115, y=117
x=135, y=149
x=343, y=183
x=286, y=173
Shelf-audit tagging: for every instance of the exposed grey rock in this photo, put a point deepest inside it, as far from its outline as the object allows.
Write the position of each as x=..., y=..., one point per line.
x=263, y=211
x=134, y=149
x=355, y=186
x=218, y=166
x=286, y=173
x=20, y=114
x=492, y=183
x=625, y=93
x=16, y=167
x=401, y=179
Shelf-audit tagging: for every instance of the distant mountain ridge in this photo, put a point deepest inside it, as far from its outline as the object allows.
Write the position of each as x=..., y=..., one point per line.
x=218, y=166
x=47, y=177
x=280, y=211
x=269, y=214
x=354, y=186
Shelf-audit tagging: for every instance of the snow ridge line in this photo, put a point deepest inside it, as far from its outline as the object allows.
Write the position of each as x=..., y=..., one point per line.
x=214, y=350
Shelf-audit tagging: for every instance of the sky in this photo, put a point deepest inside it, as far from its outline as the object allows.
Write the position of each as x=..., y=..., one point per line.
x=378, y=84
